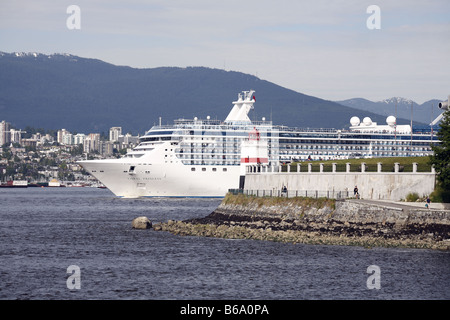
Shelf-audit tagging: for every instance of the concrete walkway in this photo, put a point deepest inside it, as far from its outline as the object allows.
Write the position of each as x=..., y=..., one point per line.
x=404, y=205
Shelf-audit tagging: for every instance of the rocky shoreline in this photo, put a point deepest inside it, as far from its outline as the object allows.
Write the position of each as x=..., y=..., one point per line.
x=319, y=221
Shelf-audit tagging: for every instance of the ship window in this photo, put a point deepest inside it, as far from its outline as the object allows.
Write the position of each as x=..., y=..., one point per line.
x=224, y=169
x=192, y=169
x=203, y=169
x=214, y=169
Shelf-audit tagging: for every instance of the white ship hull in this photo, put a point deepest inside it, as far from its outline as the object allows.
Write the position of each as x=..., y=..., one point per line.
x=151, y=178
x=167, y=181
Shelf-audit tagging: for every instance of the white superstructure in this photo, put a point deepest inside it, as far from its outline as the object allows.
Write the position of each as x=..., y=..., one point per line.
x=202, y=158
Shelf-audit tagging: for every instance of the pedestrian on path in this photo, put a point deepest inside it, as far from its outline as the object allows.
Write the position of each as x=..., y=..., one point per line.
x=355, y=192
x=428, y=202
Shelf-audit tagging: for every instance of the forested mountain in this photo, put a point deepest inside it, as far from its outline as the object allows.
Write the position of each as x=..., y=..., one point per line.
x=89, y=95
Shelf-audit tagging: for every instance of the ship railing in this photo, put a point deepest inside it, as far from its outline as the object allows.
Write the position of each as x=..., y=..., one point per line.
x=203, y=124
x=164, y=126
x=297, y=129
x=188, y=123
x=328, y=194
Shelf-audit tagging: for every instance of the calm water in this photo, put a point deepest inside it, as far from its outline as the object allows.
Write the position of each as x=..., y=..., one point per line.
x=45, y=230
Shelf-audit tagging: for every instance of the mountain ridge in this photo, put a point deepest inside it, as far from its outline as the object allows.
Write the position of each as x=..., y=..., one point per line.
x=398, y=106
x=90, y=95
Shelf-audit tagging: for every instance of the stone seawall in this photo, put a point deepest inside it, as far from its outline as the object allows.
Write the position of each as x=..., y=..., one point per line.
x=321, y=221
x=372, y=185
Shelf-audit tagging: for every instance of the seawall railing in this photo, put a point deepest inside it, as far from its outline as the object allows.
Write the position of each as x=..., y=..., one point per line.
x=335, y=168
x=330, y=194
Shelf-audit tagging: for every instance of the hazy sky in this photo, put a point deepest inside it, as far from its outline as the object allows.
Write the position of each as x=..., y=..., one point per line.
x=320, y=48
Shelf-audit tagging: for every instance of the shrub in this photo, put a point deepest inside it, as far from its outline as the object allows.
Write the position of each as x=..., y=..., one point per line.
x=412, y=197
x=440, y=195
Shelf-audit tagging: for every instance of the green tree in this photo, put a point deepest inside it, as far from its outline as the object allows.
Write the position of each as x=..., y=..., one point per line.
x=7, y=154
x=63, y=171
x=441, y=157
x=78, y=150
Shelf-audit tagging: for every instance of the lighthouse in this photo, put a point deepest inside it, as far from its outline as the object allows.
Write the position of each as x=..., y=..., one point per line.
x=253, y=153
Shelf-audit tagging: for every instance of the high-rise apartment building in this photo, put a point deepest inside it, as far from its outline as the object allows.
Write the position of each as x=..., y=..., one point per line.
x=79, y=138
x=92, y=143
x=114, y=133
x=61, y=136
x=16, y=136
x=5, y=134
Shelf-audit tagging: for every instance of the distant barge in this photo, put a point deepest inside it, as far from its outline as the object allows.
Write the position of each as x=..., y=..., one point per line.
x=25, y=184
x=15, y=184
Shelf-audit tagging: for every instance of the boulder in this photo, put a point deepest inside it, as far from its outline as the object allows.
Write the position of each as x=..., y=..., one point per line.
x=141, y=223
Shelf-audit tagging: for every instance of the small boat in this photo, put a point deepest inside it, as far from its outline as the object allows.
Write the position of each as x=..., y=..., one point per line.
x=54, y=183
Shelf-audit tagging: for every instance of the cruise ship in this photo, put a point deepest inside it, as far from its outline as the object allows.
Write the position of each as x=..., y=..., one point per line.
x=202, y=158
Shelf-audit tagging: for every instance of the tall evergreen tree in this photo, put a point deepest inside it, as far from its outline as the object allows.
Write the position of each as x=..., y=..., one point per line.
x=441, y=157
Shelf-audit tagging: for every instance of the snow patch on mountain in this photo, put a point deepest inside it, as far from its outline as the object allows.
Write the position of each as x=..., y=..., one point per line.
x=398, y=100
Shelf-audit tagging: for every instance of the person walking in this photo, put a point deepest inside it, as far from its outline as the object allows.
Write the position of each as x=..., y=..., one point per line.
x=355, y=192
x=284, y=190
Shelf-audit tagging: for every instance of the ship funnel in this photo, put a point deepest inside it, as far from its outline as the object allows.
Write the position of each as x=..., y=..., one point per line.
x=241, y=107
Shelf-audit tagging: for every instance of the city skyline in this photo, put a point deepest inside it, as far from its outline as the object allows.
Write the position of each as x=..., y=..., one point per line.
x=92, y=142
x=318, y=48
